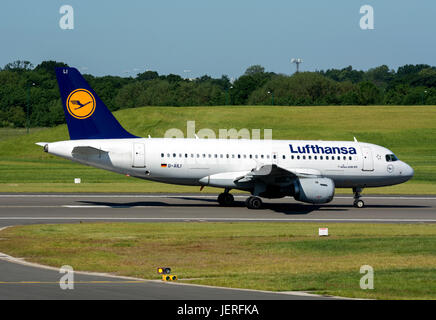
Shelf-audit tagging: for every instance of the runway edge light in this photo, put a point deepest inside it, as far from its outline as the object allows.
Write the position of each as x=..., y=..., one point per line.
x=323, y=232
x=169, y=277
x=163, y=270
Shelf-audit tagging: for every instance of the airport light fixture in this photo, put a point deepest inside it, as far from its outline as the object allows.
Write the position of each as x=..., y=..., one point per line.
x=423, y=96
x=272, y=96
x=227, y=95
x=28, y=106
x=297, y=62
x=164, y=270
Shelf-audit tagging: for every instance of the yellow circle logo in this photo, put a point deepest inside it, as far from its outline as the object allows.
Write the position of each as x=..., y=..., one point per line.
x=81, y=104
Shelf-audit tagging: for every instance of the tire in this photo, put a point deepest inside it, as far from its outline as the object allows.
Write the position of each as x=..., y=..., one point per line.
x=221, y=199
x=254, y=203
x=228, y=199
x=359, y=203
x=225, y=199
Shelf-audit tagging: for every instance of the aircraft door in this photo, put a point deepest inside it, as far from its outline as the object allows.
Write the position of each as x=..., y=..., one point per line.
x=138, y=155
x=368, y=161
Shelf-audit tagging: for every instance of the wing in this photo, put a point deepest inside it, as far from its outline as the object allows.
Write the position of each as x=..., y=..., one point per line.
x=271, y=174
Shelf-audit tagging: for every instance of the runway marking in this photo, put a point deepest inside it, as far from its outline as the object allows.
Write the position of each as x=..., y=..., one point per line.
x=219, y=219
x=72, y=282
x=187, y=196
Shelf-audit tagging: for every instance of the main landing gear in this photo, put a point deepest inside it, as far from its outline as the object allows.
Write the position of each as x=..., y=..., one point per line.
x=225, y=199
x=357, y=202
x=253, y=203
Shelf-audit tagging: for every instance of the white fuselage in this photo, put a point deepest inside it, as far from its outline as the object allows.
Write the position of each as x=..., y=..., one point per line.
x=218, y=162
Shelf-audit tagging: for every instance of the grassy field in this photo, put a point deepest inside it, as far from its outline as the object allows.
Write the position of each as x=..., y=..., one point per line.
x=409, y=131
x=266, y=256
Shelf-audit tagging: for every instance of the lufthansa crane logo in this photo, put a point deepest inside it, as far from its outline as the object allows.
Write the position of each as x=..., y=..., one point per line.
x=81, y=104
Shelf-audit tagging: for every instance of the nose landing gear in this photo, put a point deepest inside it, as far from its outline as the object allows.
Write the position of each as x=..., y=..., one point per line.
x=357, y=202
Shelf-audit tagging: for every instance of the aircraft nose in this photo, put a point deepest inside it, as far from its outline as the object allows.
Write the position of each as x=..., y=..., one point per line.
x=408, y=171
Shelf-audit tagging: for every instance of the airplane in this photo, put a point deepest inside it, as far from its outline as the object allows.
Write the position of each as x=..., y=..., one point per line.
x=308, y=170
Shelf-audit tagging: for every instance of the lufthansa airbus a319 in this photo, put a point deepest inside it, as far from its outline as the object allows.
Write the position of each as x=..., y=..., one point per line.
x=309, y=171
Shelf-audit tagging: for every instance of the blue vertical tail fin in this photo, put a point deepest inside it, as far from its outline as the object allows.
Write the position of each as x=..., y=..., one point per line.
x=86, y=115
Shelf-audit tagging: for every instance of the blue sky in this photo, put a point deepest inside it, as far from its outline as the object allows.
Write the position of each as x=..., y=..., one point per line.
x=217, y=37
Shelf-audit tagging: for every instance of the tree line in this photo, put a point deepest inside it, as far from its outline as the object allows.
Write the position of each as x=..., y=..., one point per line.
x=29, y=95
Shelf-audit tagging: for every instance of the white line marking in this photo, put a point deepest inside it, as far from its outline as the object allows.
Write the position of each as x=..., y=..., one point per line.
x=102, y=206
x=218, y=219
x=188, y=196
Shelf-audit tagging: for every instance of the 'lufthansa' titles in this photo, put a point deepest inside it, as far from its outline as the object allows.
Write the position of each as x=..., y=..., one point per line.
x=316, y=149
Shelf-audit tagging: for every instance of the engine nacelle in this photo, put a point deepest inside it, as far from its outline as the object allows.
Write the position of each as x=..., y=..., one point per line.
x=314, y=190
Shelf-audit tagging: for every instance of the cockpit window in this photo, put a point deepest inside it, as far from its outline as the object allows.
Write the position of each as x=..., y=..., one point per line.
x=391, y=157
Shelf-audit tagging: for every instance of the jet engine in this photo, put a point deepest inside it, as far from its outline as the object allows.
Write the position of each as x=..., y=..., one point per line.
x=314, y=190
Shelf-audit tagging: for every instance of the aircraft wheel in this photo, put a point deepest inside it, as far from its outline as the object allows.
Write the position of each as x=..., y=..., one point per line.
x=225, y=199
x=359, y=204
x=254, y=203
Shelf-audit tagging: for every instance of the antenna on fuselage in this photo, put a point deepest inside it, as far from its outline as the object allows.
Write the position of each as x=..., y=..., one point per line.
x=355, y=140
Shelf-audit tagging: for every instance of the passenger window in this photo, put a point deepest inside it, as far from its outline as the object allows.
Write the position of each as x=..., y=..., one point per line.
x=161, y=155
x=174, y=155
x=298, y=157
